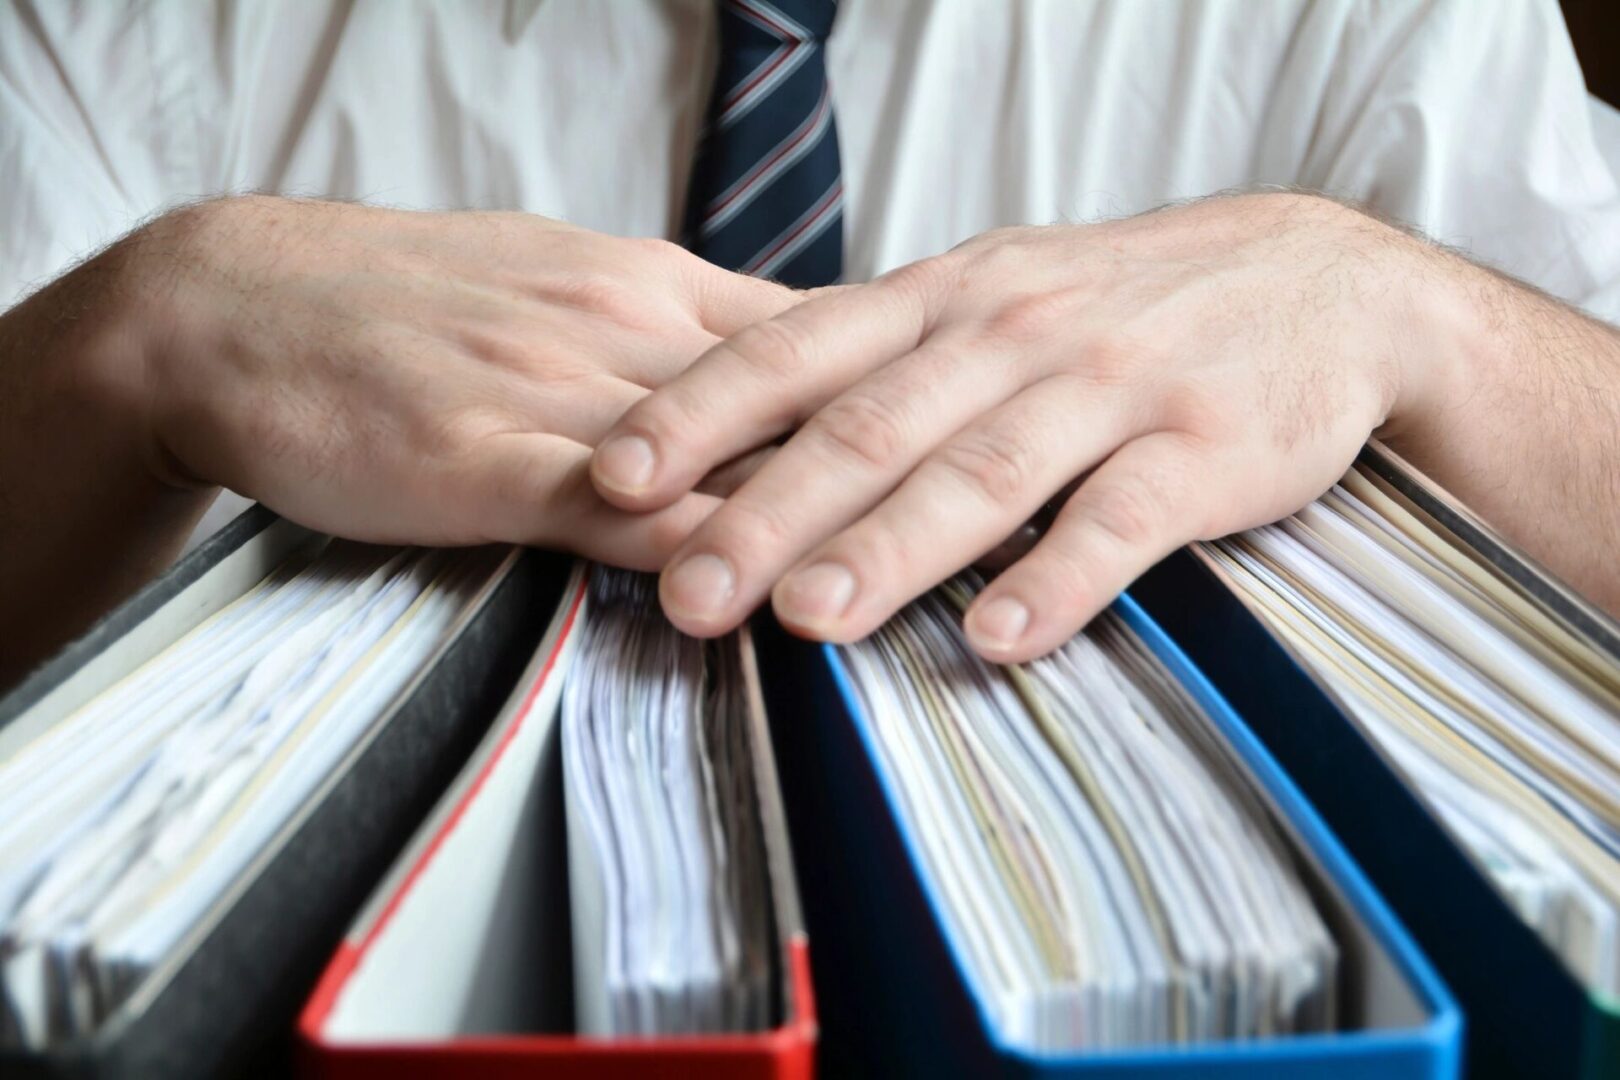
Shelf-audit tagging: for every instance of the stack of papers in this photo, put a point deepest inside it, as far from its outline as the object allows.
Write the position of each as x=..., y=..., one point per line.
x=667, y=870
x=126, y=824
x=1505, y=721
x=1104, y=865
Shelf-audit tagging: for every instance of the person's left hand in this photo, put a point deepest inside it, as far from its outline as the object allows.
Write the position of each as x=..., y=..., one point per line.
x=1205, y=368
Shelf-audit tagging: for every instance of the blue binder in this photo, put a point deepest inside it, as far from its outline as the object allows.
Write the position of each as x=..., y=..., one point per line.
x=895, y=999
x=1527, y=1016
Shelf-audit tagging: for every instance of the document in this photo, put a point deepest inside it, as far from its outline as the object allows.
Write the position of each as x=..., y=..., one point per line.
x=667, y=870
x=1103, y=864
x=124, y=826
x=1504, y=721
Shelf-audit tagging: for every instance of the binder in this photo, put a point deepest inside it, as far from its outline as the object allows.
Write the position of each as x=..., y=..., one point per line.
x=1527, y=1015
x=229, y=996
x=902, y=1006
x=461, y=961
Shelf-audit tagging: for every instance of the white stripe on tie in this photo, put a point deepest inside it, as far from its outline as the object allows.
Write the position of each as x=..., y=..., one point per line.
x=797, y=236
x=797, y=54
x=769, y=18
x=799, y=142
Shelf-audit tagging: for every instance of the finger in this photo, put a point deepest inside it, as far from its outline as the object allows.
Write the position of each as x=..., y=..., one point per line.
x=752, y=387
x=723, y=480
x=1018, y=543
x=643, y=341
x=535, y=489
x=1150, y=497
x=594, y=324
x=960, y=503
x=1023, y=539
x=650, y=356
x=844, y=461
x=582, y=410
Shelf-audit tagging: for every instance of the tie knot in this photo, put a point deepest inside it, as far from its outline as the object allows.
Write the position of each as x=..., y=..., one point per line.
x=772, y=22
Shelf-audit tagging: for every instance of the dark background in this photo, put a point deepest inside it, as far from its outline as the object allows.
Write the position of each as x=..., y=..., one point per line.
x=1595, y=27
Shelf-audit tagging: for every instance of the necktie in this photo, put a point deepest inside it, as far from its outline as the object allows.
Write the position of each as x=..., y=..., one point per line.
x=766, y=197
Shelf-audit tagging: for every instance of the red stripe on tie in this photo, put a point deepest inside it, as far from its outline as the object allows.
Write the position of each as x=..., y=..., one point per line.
x=778, y=58
x=749, y=179
x=828, y=201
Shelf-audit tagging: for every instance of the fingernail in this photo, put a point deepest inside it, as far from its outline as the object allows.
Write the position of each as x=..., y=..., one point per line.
x=625, y=463
x=817, y=593
x=701, y=586
x=999, y=623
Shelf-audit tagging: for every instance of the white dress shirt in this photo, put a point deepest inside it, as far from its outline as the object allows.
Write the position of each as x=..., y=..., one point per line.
x=1466, y=118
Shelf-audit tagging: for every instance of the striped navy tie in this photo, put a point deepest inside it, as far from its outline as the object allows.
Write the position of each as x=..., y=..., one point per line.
x=766, y=198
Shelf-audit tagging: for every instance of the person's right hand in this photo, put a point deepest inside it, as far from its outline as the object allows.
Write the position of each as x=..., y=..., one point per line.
x=413, y=377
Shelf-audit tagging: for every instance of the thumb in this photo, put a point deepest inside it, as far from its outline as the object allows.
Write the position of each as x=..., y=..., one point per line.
x=535, y=488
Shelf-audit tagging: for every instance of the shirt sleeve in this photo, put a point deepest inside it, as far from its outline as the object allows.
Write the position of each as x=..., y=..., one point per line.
x=93, y=129
x=1470, y=120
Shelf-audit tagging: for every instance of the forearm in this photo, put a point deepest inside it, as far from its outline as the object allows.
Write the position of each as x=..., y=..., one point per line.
x=86, y=515
x=1527, y=433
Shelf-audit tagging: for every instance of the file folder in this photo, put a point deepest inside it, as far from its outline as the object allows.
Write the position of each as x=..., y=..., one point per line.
x=1527, y=1015
x=461, y=961
x=229, y=996
x=898, y=1002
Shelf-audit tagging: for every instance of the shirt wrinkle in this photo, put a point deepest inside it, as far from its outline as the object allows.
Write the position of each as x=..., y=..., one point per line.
x=28, y=14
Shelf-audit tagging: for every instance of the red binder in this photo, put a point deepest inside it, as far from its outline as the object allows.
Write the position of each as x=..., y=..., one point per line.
x=457, y=955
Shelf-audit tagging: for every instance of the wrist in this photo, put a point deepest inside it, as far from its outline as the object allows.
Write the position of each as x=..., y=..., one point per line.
x=181, y=317
x=120, y=358
x=1443, y=335
x=86, y=516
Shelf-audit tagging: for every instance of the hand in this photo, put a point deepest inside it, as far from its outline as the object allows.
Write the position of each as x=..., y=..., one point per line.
x=416, y=378
x=1204, y=369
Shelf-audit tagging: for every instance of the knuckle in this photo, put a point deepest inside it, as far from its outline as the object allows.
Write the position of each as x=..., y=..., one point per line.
x=922, y=288
x=1110, y=358
x=772, y=348
x=922, y=278
x=995, y=467
x=1002, y=254
x=1130, y=513
x=676, y=418
x=1064, y=578
x=598, y=294
x=1030, y=317
x=454, y=431
x=658, y=249
x=501, y=346
x=1190, y=408
x=874, y=553
x=664, y=261
x=861, y=427
x=1035, y=316
x=991, y=246
x=750, y=528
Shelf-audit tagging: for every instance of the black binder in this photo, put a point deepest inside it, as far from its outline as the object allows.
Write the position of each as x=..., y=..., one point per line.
x=228, y=999
x=1527, y=1015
